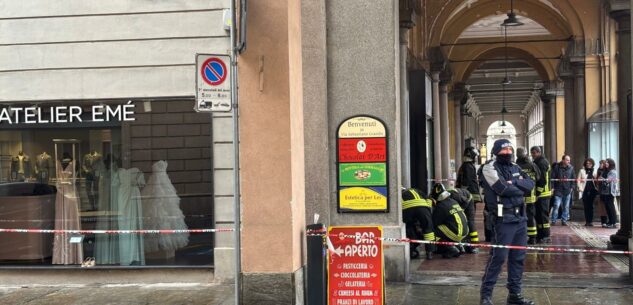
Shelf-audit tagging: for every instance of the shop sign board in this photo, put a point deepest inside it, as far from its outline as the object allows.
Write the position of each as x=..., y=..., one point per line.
x=356, y=266
x=362, y=150
x=363, y=198
x=362, y=168
x=213, y=83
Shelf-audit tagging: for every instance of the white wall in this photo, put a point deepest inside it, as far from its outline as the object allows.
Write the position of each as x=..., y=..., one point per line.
x=89, y=49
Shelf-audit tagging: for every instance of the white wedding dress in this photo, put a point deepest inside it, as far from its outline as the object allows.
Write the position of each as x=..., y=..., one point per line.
x=161, y=211
x=127, y=182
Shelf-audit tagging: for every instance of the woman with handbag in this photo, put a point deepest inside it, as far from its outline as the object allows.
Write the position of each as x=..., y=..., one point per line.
x=608, y=191
x=587, y=189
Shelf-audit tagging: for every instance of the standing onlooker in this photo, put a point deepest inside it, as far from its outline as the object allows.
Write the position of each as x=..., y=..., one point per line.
x=602, y=211
x=587, y=189
x=609, y=190
x=563, y=177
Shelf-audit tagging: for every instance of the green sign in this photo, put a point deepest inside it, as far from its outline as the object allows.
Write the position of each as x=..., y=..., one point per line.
x=362, y=174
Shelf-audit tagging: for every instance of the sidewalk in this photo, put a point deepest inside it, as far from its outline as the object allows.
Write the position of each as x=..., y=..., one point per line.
x=428, y=290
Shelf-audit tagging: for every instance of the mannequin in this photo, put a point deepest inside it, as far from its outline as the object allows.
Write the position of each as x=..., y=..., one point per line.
x=91, y=167
x=43, y=167
x=66, y=214
x=20, y=167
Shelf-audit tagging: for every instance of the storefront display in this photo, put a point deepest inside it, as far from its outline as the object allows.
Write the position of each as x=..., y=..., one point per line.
x=95, y=174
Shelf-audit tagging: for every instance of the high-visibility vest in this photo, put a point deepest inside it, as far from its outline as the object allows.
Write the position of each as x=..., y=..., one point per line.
x=546, y=190
x=417, y=201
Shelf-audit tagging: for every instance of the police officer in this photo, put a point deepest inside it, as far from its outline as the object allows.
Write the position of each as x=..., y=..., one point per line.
x=543, y=194
x=505, y=186
x=530, y=201
x=465, y=200
x=449, y=220
x=417, y=214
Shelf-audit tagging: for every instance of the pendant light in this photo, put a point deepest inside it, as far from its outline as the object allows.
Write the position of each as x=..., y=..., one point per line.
x=512, y=18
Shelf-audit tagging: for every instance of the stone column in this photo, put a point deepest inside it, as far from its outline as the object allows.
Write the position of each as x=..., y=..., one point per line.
x=444, y=135
x=568, y=84
x=405, y=136
x=579, y=117
x=437, y=143
x=623, y=18
x=458, y=134
x=549, y=126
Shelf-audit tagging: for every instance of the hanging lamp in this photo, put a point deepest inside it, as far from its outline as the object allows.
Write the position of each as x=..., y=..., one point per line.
x=512, y=17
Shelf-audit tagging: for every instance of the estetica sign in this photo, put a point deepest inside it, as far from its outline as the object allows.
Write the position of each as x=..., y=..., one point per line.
x=66, y=114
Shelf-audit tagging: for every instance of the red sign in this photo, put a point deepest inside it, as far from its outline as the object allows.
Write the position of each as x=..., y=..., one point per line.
x=362, y=150
x=355, y=266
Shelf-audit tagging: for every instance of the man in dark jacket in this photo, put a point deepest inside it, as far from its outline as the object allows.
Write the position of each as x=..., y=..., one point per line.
x=563, y=182
x=451, y=224
x=417, y=214
x=467, y=174
x=543, y=195
x=505, y=186
x=530, y=201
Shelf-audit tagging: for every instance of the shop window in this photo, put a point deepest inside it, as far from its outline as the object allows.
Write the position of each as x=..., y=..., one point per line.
x=148, y=171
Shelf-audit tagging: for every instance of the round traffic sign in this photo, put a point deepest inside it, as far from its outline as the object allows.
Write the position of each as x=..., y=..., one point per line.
x=213, y=71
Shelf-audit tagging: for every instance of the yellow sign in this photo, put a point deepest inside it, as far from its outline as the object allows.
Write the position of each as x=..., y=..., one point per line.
x=363, y=198
x=362, y=127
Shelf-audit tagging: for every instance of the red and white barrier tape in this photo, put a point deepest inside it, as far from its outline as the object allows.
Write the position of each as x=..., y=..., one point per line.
x=483, y=245
x=45, y=231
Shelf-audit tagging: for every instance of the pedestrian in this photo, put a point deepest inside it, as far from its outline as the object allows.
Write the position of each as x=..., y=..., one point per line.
x=602, y=210
x=609, y=189
x=505, y=186
x=417, y=214
x=450, y=221
x=467, y=179
x=563, y=177
x=534, y=172
x=587, y=189
x=543, y=195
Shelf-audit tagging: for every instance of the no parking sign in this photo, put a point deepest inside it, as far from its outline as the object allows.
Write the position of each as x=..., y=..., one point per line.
x=213, y=83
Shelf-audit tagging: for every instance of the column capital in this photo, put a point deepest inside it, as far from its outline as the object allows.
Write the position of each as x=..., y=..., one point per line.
x=460, y=92
x=619, y=8
x=409, y=11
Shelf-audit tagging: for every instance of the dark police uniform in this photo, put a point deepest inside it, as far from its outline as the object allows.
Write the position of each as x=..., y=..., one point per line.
x=506, y=208
x=417, y=211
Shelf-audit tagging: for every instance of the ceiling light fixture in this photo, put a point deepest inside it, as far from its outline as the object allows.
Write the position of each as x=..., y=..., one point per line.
x=512, y=17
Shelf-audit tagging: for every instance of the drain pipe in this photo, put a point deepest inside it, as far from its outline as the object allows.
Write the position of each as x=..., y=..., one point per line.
x=236, y=164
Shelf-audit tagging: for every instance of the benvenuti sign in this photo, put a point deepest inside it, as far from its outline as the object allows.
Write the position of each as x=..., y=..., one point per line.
x=362, y=168
x=66, y=114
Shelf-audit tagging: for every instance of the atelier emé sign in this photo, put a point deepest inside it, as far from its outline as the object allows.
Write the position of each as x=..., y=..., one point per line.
x=362, y=169
x=66, y=114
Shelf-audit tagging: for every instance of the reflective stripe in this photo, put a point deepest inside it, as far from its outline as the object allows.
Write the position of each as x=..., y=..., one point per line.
x=545, y=191
x=476, y=197
x=429, y=236
x=448, y=233
x=407, y=204
x=546, y=226
x=473, y=234
x=531, y=231
x=474, y=239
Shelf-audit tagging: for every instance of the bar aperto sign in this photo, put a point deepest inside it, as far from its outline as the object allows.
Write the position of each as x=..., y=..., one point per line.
x=363, y=171
x=67, y=114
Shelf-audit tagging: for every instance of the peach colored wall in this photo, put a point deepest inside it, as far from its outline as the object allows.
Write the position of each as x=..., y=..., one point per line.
x=265, y=141
x=560, y=127
x=296, y=131
x=451, y=127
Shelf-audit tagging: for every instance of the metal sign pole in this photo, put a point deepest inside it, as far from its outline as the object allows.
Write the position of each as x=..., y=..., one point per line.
x=236, y=164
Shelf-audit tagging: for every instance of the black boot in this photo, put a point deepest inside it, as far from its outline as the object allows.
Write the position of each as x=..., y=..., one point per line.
x=518, y=299
x=450, y=252
x=486, y=301
x=471, y=250
x=531, y=240
x=429, y=255
x=413, y=254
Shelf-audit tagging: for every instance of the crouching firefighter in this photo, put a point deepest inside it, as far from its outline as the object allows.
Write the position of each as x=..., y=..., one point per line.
x=465, y=200
x=449, y=220
x=417, y=211
x=505, y=186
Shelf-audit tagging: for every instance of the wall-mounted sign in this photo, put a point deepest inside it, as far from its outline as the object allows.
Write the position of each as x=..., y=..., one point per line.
x=356, y=266
x=213, y=85
x=362, y=150
x=362, y=171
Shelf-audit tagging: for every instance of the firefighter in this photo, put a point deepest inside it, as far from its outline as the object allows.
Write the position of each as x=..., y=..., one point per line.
x=465, y=200
x=543, y=194
x=417, y=212
x=505, y=186
x=530, y=201
x=449, y=220
x=467, y=174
